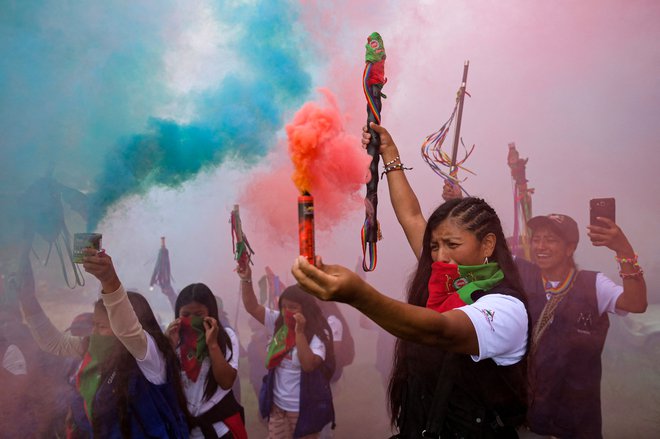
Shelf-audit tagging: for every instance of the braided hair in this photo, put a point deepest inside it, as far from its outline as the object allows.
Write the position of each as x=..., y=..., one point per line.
x=473, y=215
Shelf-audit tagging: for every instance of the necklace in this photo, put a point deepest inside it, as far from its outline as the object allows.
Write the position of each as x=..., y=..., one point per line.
x=554, y=295
x=563, y=286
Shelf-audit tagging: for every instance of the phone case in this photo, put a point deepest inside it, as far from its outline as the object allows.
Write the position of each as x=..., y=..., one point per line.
x=601, y=207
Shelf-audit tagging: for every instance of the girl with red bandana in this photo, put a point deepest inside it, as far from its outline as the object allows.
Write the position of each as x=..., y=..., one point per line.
x=209, y=358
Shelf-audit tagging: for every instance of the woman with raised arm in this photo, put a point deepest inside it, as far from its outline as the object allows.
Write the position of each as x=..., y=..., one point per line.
x=128, y=382
x=569, y=307
x=459, y=367
x=295, y=396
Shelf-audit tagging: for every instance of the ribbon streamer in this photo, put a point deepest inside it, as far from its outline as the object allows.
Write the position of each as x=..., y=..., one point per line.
x=431, y=149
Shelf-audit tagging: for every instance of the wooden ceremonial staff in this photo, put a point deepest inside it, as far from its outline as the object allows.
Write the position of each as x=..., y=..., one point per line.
x=453, y=169
x=522, y=202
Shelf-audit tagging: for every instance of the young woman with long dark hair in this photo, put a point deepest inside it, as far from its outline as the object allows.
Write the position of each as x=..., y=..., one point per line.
x=295, y=396
x=568, y=307
x=459, y=367
x=209, y=357
x=128, y=382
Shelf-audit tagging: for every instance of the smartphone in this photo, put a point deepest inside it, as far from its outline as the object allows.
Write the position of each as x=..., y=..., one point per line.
x=82, y=241
x=601, y=207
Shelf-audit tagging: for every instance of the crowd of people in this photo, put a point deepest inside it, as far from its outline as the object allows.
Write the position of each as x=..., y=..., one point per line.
x=489, y=344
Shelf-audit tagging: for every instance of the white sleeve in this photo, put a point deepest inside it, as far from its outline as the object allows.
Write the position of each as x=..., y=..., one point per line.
x=153, y=364
x=14, y=361
x=235, y=347
x=336, y=327
x=317, y=347
x=607, y=293
x=269, y=319
x=501, y=325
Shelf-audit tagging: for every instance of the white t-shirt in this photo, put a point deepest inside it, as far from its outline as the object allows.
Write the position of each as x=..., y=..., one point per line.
x=607, y=293
x=336, y=327
x=501, y=325
x=153, y=364
x=194, y=390
x=14, y=361
x=286, y=388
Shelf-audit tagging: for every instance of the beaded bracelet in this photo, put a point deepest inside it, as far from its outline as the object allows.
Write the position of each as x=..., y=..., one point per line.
x=393, y=161
x=247, y=281
x=638, y=273
x=632, y=261
x=397, y=167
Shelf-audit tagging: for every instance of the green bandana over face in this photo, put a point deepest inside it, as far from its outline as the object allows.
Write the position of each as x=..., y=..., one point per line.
x=477, y=278
x=89, y=374
x=451, y=286
x=282, y=342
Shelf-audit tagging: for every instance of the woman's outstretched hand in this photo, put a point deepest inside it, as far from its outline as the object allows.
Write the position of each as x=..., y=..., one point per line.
x=326, y=282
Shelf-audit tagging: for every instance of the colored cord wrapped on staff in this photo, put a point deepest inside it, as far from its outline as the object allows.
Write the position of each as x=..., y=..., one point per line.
x=373, y=80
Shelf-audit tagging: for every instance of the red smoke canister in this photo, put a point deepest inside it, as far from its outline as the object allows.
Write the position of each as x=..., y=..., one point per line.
x=306, y=226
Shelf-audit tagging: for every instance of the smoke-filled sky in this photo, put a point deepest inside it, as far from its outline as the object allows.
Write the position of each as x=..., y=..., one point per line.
x=166, y=113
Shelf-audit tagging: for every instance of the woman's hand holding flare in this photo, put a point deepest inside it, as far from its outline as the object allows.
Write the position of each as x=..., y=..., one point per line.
x=327, y=282
x=451, y=330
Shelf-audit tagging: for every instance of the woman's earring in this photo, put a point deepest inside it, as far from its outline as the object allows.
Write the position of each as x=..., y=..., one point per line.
x=486, y=261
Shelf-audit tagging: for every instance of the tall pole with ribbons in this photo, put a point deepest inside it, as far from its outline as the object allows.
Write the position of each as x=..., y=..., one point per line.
x=242, y=251
x=453, y=169
x=373, y=80
x=432, y=152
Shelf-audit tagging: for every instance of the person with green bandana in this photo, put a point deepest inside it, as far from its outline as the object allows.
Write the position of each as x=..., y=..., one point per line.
x=208, y=352
x=473, y=314
x=295, y=396
x=128, y=382
x=460, y=359
x=569, y=307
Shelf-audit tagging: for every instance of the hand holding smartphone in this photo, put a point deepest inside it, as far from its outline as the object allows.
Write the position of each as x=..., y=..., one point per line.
x=604, y=208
